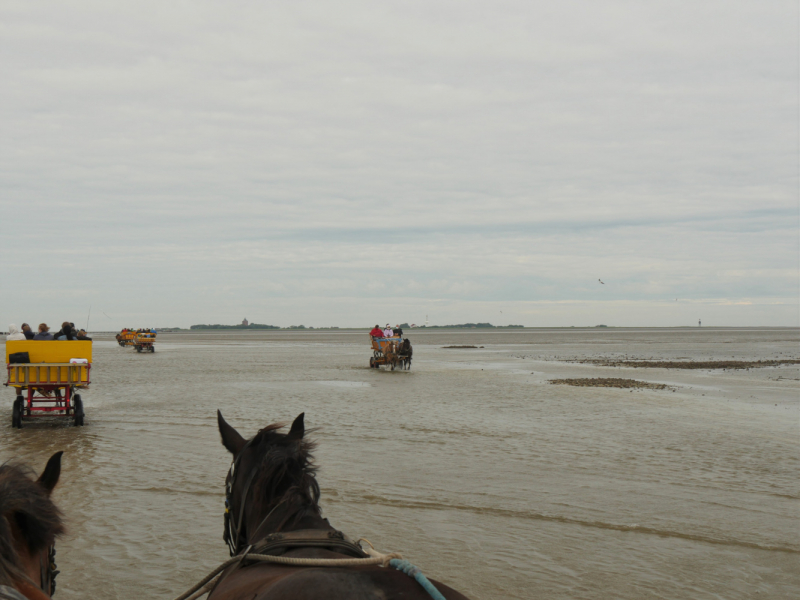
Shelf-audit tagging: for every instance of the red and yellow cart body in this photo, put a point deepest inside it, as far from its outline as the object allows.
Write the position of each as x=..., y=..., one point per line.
x=126, y=337
x=144, y=342
x=50, y=384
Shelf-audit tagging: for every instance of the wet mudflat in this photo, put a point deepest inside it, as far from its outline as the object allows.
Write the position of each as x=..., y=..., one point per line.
x=471, y=464
x=615, y=382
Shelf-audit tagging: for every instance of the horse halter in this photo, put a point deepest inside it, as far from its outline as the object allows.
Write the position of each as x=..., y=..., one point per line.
x=48, y=572
x=232, y=535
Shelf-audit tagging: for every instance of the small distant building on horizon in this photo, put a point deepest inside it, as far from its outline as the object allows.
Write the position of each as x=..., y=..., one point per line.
x=244, y=322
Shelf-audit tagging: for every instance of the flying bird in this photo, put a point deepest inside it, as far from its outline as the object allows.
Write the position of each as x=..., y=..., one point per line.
x=601, y=281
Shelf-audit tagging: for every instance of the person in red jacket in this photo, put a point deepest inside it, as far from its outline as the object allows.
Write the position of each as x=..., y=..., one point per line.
x=376, y=332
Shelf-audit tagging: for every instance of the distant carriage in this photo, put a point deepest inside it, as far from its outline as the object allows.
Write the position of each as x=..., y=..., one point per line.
x=145, y=341
x=394, y=352
x=48, y=377
x=126, y=337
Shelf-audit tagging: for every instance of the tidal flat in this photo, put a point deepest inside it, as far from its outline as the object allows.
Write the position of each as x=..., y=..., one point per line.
x=471, y=464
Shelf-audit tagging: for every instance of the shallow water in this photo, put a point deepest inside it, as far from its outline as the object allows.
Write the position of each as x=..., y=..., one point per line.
x=471, y=464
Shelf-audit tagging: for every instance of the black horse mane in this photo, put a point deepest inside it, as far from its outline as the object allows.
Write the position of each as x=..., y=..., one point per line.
x=287, y=473
x=25, y=501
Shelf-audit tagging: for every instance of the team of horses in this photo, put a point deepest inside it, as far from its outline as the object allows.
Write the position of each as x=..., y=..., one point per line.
x=272, y=508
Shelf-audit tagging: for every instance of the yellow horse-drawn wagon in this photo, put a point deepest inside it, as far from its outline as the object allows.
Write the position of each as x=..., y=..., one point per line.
x=144, y=341
x=126, y=337
x=48, y=376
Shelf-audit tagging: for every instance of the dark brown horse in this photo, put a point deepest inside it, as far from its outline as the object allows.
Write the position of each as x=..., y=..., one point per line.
x=29, y=525
x=272, y=496
x=405, y=352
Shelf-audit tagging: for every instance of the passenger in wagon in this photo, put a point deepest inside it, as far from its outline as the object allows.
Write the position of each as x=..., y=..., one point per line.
x=26, y=330
x=387, y=331
x=67, y=332
x=376, y=332
x=14, y=333
x=83, y=337
x=44, y=333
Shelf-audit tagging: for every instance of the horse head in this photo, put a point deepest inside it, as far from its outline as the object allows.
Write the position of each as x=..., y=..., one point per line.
x=29, y=525
x=271, y=484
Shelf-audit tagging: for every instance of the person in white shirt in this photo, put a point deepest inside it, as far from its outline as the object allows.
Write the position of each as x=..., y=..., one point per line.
x=14, y=333
x=387, y=332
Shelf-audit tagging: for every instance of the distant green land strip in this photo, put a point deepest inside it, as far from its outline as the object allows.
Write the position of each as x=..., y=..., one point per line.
x=240, y=326
x=253, y=326
x=472, y=326
x=403, y=326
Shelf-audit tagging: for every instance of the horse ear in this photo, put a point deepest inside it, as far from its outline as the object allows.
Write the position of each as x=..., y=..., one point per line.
x=230, y=437
x=298, y=428
x=49, y=477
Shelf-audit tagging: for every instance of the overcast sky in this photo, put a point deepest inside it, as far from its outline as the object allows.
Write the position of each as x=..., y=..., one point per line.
x=346, y=163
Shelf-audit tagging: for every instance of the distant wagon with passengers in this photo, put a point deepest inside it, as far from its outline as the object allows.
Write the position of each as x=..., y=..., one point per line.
x=390, y=348
x=48, y=377
x=142, y=339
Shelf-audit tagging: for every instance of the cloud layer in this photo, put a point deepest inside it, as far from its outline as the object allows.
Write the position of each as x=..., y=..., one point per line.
x=329, y=163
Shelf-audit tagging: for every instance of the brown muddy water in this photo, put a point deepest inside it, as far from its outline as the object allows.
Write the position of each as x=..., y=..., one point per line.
x=472, y=465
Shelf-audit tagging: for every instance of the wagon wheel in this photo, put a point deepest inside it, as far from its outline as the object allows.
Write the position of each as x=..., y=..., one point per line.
x=152, y=348
x=139, y=349
x=78, y=410
x=16, y=413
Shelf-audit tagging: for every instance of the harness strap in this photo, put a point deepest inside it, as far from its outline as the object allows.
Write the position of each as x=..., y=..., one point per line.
x=276, y=544
x=241, y=510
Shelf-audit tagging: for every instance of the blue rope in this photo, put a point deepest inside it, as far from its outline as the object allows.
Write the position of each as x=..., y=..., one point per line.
x=412, y=571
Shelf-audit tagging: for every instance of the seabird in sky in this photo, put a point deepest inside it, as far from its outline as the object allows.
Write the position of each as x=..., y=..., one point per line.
x=601, y=281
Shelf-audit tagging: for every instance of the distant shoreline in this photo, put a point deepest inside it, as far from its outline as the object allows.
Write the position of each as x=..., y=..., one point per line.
x=444, y=328
x=262, y=327
x=471, y=329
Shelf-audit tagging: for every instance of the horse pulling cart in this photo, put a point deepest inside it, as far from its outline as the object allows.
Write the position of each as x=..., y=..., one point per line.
x=393, y=352
x=48, y=377
x=126, y=337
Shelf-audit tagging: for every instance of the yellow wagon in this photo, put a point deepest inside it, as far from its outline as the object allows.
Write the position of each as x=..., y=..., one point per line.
x=48, y=376
x=145, y=341
x=126, y=337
